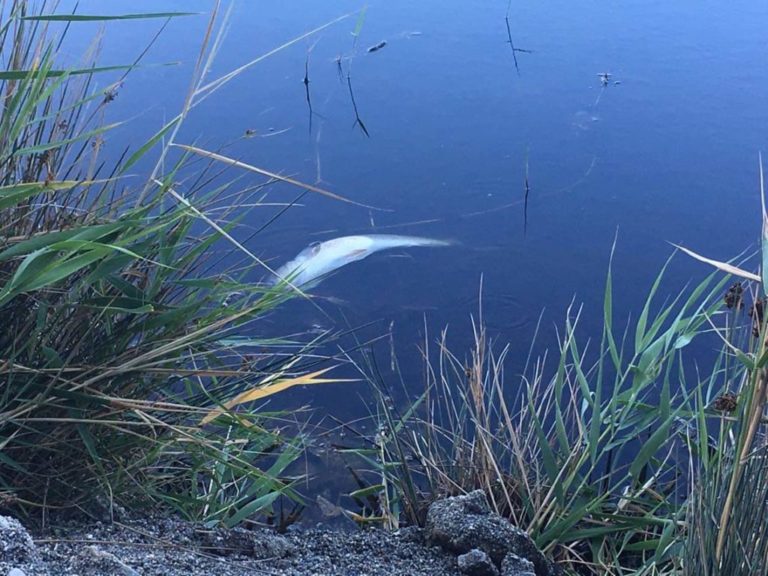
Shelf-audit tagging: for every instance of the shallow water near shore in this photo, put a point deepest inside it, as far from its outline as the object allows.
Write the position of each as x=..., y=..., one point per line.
x=663, y=150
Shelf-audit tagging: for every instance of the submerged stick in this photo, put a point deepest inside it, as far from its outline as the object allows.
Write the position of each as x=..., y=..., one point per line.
x=358, y=121
x=511, y=43
x=306, y=85
x=339, y=68
x=306, y=90
x=525, y=205
x=377, y=47
x=509, y=36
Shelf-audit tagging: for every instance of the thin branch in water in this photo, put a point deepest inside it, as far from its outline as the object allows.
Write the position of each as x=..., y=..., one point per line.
x=339, y=69
x=511, y=43
x=525, y=205
x=514, y=52
x=306, y=90
x=377, y=47
x=306, y=85
x=358, y=121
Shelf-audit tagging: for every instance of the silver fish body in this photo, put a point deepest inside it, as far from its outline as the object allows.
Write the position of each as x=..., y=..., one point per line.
x=321, y=258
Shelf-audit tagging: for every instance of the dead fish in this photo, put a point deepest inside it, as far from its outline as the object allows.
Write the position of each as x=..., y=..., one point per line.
x=321, y=258
x=377, y=47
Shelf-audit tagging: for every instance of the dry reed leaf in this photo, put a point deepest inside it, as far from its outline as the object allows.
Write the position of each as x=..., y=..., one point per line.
x=724, y=266
x=238, y=164
x=274, y=388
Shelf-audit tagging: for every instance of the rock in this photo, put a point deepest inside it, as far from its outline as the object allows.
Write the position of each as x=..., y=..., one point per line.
x=477, y=563
x=412, y=534
x=107, y=510
x=16, y=572
x=223, y=542
x=513, y=565
x=93, y=561
x=462, y=523
x=239, y=541
x=270, y=546
x=16, y=545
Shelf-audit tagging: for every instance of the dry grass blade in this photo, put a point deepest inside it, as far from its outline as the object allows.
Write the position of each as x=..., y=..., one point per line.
x=219, y=82
x=286, y=179
x=274, y=388
x=724, y=266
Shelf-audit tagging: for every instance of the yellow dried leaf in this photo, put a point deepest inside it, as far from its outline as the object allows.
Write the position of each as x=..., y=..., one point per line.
x=273, y=388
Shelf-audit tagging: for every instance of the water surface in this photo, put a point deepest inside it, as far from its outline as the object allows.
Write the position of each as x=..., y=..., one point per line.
x=665, y=152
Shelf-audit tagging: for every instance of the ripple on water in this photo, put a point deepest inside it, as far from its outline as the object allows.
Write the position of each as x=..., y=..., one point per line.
x=585, y=120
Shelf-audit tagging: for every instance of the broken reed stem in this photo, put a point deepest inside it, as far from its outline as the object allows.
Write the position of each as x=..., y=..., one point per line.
x=755, y=417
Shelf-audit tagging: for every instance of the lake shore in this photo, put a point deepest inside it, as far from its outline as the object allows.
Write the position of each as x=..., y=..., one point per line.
x=461, y=536
x=170, y=547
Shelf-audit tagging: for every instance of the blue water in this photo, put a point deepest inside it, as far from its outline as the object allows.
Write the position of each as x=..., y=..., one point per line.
x=666, y=152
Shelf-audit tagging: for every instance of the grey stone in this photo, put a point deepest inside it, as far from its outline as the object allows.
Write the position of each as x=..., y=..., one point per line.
x=16, y=545
x=234, y=542
x=411, y=534
x=268, y=546
x=462, y=523
x=242, y=542
x=93, y=561
x=513, y=565
x=477, y=563
x=16, y=572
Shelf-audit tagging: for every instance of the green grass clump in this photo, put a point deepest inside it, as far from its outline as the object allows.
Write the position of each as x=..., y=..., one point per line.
x=120, y=332
x=641, y=453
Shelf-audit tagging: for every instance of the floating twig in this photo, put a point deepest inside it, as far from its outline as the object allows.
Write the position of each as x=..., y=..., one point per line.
x=377, y=47
x=306, y=85
x=525, y=203
x=511, y=43
x=339, y=68
x=358, y=121
x=306, y=90
x=514, y=52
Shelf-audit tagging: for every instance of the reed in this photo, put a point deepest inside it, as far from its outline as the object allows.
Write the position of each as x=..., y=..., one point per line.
x=618, y=455
x=122, y=345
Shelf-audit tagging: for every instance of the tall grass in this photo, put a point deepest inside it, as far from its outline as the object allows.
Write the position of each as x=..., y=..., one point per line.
x=595, y=449
x=120, y=334
x=744, y=538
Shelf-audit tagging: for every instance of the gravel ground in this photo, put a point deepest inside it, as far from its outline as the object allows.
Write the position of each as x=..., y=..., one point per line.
x=168, y=547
